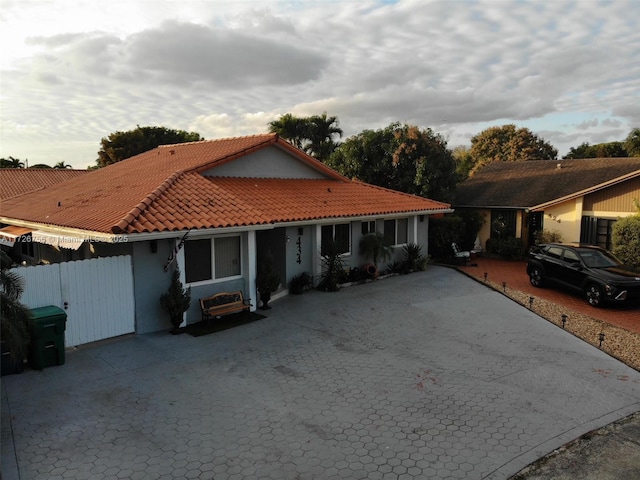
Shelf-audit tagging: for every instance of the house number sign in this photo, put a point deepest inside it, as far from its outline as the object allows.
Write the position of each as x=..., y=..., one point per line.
x=299, y=244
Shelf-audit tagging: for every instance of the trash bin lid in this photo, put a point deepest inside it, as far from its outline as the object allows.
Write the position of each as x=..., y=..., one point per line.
x=47, y=312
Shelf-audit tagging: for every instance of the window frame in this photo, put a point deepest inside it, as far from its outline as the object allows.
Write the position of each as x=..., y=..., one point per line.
x=365, y=228
x=395, y=231
x=212, y=253
x=333, y=237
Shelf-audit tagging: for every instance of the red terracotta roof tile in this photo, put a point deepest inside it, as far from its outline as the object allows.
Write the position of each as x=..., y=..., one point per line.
x=233, y=202
x=18, y=181
x=163, y=190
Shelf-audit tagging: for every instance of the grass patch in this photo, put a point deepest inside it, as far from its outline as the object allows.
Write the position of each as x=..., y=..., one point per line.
x=225, y=322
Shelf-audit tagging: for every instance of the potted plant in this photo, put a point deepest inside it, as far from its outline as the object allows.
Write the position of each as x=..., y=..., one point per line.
x=176, y=300
x=372, y=246
x=268, y=281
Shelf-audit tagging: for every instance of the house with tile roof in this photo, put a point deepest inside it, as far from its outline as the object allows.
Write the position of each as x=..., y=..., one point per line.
x=579, y=199
x=216, y=209
x=18, y=181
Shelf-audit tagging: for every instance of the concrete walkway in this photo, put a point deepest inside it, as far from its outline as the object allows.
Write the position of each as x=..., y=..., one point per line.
x=429, y=375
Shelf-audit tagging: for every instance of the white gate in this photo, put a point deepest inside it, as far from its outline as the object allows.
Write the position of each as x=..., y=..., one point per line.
x=97, y=296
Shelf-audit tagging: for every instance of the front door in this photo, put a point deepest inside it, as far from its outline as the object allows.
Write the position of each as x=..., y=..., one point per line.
x=271, y=246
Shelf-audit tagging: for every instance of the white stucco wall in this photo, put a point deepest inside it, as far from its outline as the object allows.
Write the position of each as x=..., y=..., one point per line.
x=269, y=162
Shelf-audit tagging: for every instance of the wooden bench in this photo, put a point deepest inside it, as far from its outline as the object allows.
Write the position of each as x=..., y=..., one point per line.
x=223, y=303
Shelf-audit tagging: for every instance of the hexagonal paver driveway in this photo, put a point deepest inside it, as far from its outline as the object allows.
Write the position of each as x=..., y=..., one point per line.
x=429, y=375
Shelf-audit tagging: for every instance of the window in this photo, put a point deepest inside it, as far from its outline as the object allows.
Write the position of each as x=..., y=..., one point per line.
x=368, y=227
x=571, y=257
x=211, y=259
x=597, y=231
x=396, y=231
x=503, y=223
x=340, y=233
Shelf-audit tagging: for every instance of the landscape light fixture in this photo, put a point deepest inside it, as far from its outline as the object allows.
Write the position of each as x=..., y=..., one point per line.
x=485, y=276
x=531, y=302
x=564, y=320
x=504, y=286
x=601, y=338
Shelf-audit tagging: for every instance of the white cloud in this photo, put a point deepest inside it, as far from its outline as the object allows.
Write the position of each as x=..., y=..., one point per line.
x=228, y=68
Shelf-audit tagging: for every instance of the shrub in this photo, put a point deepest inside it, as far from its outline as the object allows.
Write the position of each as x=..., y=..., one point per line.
x=509, y=247
x=442, y=233
x=414, y=260
x=333, y=272
x=626, y=241
x=472, y=221
x=372, y=246
x=15, y=318
x=547, y=236
x=176, y=300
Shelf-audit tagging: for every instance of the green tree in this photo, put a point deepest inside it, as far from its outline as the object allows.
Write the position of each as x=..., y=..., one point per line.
x=508, y=143
x=292, y=128
x=464, y=162
x=11, y=162
x=632, y=143
x=315, y=134
x=401, y=157
x=581, y=151
x=62, y=165
x=320, y=133
x=599, y=150
x=119, y=146
x=40, y=165
x=15, y=317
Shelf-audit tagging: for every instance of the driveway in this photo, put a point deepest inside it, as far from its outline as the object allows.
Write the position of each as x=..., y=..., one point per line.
x=428, y=375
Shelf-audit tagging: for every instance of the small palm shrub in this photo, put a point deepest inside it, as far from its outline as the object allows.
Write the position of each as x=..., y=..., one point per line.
x=15, y=317
x=333, y=273
x=414, y=260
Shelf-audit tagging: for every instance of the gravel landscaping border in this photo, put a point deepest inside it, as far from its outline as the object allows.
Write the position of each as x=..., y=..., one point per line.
x=611, y=339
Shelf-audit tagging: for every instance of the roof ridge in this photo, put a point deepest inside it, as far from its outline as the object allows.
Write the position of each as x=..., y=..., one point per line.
x=212, y=140
x=136, y=211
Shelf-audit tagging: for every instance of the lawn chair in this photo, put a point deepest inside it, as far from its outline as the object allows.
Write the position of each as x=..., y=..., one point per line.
x=462, y=257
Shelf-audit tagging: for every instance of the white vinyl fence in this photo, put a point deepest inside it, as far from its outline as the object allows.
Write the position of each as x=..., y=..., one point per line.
x=97, y=296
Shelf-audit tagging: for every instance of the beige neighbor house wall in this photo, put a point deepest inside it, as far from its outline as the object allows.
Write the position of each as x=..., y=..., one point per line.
x=564, y=218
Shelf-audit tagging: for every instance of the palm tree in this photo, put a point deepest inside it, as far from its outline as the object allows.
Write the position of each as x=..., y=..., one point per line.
x=15, y=317
x=321, y=132
x=62, y=165
x=291, y=128
x=11, y=162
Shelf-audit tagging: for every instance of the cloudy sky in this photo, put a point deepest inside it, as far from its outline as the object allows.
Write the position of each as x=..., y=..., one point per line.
x=74, y=71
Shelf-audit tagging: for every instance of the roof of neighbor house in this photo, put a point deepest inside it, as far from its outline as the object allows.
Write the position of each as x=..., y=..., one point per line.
x=17, y=181
x=164, y=190
x=537, y=182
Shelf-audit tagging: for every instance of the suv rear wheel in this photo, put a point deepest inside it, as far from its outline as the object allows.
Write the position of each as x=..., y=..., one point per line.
x=535, y=277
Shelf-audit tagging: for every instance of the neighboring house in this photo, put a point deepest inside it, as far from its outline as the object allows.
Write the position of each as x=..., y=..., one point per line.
x=580, y=199
x=18, y=181
x=216, y=209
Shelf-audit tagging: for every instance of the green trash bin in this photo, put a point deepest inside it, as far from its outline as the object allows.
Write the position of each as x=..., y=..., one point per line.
x=47, y=337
